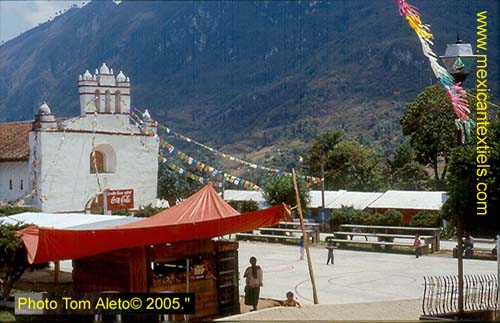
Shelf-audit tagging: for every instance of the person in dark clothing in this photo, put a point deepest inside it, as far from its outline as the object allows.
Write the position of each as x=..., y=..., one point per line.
x=253, y=276
x=330, y=252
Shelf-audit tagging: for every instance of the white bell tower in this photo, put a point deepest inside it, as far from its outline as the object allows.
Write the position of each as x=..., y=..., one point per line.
x=103, y=92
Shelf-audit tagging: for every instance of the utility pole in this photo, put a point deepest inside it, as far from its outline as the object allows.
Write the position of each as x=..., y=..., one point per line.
x=323, y=187
x=223, y=184
x=305, y=237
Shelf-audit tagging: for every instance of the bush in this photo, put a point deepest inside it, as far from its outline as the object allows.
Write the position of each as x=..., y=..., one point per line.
x=143, y=212
x=345, y=215
x=244, y=206
x=352, y=216
x=448, y=233
x=10, y=210
x=426, y=219
x=392, y=217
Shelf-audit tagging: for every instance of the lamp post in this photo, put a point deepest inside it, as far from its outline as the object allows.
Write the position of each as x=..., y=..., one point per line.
x=323, y=186
x=458, y=59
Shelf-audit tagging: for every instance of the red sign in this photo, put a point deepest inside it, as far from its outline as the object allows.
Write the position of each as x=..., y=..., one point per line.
x=119, y=199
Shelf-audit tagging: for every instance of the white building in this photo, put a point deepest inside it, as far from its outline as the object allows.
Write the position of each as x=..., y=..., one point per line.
x=65, y=165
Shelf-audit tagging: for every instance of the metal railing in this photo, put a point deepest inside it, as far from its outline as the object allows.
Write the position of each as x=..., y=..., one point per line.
x=441, y=294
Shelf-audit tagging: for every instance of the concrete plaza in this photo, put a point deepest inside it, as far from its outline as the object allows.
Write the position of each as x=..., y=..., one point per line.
x=356, y=276
x=359, y=286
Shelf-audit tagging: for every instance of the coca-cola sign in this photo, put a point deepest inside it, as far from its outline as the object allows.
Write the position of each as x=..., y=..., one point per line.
x=120, y=199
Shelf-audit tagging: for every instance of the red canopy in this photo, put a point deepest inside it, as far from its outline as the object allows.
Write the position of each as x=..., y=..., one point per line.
x=203, y=215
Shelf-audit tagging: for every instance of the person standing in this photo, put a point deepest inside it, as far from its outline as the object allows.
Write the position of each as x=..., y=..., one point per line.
x=253, y=283
x=301, y=245
x=330, y=252
x=417, y=243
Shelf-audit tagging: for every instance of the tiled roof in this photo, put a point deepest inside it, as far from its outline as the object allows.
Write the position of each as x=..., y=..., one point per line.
x=14, y=141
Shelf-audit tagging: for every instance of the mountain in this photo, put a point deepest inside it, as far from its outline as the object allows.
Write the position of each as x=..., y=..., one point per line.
x=247, y=76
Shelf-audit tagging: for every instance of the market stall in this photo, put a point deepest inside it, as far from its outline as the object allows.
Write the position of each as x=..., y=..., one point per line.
x=176, y=250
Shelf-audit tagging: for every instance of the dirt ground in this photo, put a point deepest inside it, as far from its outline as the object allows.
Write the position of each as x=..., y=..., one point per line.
x=43, y=280
x=263, y=303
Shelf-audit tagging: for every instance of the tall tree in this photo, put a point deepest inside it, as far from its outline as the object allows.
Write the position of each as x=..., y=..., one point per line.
x=174, y=187
x=429, y=121
x=280, y=190
x=463, y=182
x=403, y=172
x=322, y=146
x=347, y=164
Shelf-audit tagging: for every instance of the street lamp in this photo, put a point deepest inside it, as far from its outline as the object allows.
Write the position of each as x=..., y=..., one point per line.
x=458, y=60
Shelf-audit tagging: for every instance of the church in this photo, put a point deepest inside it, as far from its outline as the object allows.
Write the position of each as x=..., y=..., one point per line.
x=67, y=165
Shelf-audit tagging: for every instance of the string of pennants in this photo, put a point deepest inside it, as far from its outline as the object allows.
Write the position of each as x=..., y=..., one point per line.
x=454, y=91
x=192, y=162
x=309, y=179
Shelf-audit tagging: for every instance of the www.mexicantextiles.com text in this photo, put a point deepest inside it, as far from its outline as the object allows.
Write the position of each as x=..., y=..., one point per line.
x=482, y=148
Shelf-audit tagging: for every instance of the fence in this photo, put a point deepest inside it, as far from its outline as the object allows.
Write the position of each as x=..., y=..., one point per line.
x=441, y=294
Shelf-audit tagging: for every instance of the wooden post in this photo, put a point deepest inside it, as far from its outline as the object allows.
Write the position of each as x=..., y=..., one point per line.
x=304, y=235
x=57, y=268
x=186, y=317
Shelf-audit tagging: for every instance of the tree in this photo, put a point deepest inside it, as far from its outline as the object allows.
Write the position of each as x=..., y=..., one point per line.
x=463, y=179
x=352, y=166
x=280, y=190
x=13, y=258
x=320, y=149
x=174, y=187
x=244, y=206
x=347, y=164
x=429, y=121
x=404, y=173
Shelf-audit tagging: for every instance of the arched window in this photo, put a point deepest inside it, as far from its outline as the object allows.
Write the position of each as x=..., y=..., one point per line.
x=10, y=184
x=97, y=162
x=118, y=102
x=107, y=101
x=22, y=186
x=103, y=160
x=97, y=100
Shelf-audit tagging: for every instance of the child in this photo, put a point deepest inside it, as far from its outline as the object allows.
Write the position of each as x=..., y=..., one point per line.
x=290, y=301
x=330, y=252
x=417, y=243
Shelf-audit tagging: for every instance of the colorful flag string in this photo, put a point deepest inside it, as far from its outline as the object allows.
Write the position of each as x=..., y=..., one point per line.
x=310, y=179
x=191, y=161
x=454, y=91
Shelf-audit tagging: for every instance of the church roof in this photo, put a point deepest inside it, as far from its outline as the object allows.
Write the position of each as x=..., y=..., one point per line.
x=15, y=141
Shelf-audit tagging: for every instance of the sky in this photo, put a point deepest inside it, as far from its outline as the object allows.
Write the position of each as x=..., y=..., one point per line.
x=17, y=17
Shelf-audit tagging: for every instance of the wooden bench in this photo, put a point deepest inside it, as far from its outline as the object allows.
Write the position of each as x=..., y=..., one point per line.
x=428, y=240
x=288, y=232
x=394, y=230
x=479, y=253
x=307, y=225
x=424, y=249
x=251, y=236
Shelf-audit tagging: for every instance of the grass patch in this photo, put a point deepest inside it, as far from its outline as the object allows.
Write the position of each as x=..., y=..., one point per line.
x=6, y=316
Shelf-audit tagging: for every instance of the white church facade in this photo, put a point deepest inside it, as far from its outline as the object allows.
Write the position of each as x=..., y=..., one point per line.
x=66, y=165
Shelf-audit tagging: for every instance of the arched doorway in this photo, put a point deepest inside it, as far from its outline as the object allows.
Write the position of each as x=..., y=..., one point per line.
x=95, y=205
